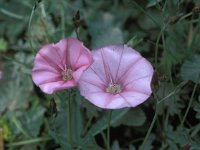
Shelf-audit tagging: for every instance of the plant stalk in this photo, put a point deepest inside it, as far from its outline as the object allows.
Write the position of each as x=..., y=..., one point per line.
x=108, y=130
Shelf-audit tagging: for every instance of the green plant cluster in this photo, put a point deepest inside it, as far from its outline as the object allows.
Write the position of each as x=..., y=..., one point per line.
x=166, y=32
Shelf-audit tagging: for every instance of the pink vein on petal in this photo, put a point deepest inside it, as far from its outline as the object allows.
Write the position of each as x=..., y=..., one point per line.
x=125, y=99
x=68, y=55
x=99, y=86
x=61, y=59
x=79, y=55
x=93, y=92
x=50, y=62
x=62, y=83
x=106, y=68
x=107, y=101
x=119, y=63
x=55, y=79
x=97, y=75
x=140, y=92
x=46, y=70
x=129, y=69
x=136, y=80
x=64, y=59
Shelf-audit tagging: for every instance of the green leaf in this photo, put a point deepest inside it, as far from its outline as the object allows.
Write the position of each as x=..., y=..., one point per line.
x=104, y=31
x=146, y=22
x=152, y=3
x=15, y=93
x=102, y=123
x=3, y=45
x=190, y=70
x=173, y=103
x=178, y=136
x=33, y=119
x=134, y=117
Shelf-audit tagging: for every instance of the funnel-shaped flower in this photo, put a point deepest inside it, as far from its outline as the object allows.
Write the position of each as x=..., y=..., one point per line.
x=59, y=66
x=119, y=77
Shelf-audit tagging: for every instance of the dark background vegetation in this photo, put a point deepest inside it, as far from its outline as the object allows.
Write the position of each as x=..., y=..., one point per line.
x=166, y=32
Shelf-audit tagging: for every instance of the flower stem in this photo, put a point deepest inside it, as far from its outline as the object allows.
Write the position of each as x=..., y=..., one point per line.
x=69, y=119
x=149, y=130
x=157, y=45
x=108, y=130
x=152, y=123
x=63, y=19
x=185, y=16
x=29, y=27
x=190, y=103
x=76, y=30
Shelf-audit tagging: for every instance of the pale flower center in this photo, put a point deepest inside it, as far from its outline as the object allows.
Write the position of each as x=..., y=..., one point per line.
x=113, y=88
x=67, y=74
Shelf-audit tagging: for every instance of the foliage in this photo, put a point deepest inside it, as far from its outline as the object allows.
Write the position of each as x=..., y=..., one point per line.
x=165, y=32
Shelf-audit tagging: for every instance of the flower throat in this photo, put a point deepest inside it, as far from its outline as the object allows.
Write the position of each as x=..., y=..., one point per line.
x=113, y=88
x=67, y=74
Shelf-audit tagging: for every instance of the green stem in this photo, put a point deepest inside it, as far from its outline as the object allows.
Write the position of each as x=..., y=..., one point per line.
x=157, y=45
x=149, y=130
x=11, y=14
x=19, y=126
x=69, y=119
x=147, y=14
x=135, y=141
x=152, y=124
x=86, y=127
x=108, y=130
x=31, y=141
x=76, y=30
x=63, y=20
x=29, y=27
x=190, y=103
x=16, y=61
x=104, y=137
x=173, y=92
x=185, y=16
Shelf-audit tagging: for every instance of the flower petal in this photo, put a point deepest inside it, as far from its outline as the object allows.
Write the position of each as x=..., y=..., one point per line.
x=141, y=85
x=50, y=56
x=54, y=59
x=118, y=58
x=134, y=98
x=117, y=102
x=117, y=65
x=53, y=87
x=139, y=69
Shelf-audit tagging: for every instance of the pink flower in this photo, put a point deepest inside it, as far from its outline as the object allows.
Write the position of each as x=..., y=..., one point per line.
x=119, y=77
x=59, y=66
